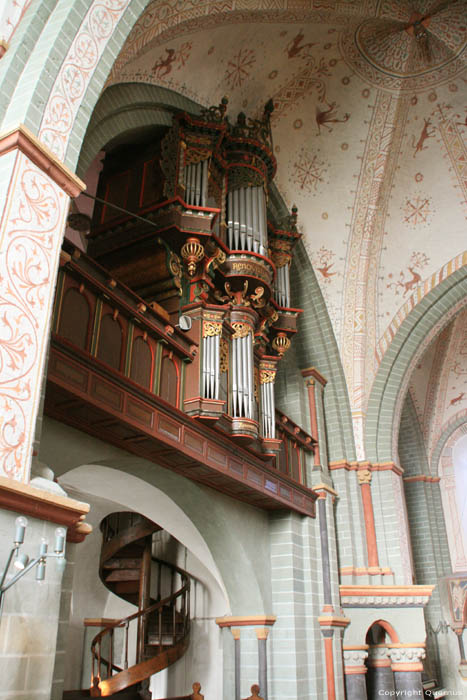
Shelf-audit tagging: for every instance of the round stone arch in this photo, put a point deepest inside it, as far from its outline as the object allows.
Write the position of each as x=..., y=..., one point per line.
x=443, y=465
x=181, y=510
x=128, y=107
x=450, y=433
x=414, y=335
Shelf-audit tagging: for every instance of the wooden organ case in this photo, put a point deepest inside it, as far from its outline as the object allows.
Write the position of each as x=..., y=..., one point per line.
x=201, y=245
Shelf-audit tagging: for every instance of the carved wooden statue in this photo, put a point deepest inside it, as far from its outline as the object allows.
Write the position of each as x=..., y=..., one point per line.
x=196, y=695
x=254, y=693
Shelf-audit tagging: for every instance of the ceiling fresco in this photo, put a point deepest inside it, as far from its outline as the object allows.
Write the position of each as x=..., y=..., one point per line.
x=370, y=134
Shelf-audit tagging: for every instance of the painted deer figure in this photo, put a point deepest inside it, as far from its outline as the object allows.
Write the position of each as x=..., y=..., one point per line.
x=423, y=137
x=410, y=284
x=326, y=116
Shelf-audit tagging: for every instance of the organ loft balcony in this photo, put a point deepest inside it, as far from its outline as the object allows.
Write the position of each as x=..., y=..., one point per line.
x=181, y=238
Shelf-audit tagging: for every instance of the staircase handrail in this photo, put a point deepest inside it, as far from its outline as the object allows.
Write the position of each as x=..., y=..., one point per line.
x=169, y=600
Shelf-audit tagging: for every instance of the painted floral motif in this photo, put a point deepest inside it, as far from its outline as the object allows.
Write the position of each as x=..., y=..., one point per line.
x=239, y=67
x=13, y=12
x=76, y=73
x=308, y=171
x=27, y=274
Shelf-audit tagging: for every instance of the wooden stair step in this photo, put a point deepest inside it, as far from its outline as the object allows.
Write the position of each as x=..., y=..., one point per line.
x=123, y=575
x=125, y=588
x=122, y=563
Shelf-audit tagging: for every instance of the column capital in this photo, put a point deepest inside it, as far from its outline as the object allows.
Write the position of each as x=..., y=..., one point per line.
x=262, y=633
x=235, y=632
x=354, y=659
x=363, y=476
x=20, y=138
x=407, y=657
x=246, y=620
x=378, y=656
x=311, y=373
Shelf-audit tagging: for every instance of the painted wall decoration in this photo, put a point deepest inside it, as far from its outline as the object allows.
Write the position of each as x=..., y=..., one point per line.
x=33, y=219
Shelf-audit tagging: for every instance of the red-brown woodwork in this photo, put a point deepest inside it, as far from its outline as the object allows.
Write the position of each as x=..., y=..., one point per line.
x=110, y=346
x=75, y=318
x=116, y=192
x=169, y=388
x=94, y=398
x=162, y=623
x=142, y=361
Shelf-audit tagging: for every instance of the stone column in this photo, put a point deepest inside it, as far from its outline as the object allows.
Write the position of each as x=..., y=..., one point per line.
x=332, y=627
x=380, y=673
x=324, y=538
x=406, y=663
x=355, y=671
x=364, y=479
x=254, y=634
x=262, y=635
x=236, y=635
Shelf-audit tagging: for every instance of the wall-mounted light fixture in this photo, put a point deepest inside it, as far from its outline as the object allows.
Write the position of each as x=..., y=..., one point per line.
x=21, y=561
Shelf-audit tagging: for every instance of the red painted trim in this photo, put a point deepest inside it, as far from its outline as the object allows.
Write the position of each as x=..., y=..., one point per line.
x=330, y=668
x=355, y=670
x=23, y=140
x=371, y=544
x=388, y=628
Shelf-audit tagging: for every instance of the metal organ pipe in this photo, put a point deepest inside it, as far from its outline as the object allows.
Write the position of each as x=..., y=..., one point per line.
x=211, y=366
x=235, y=412
x=282, y=286
x=268, y=409
x=247, y=219
x=195, y=177
x=242, y=377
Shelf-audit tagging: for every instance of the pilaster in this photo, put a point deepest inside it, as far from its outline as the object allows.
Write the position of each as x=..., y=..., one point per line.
x=34, y=201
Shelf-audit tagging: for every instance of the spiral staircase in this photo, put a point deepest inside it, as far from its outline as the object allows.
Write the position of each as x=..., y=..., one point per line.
x=157, y=634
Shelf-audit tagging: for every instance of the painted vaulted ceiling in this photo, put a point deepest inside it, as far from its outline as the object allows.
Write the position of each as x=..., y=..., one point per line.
x=370, y=133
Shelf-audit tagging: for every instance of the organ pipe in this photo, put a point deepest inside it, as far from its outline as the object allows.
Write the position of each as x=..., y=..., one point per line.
x=242, y=374
x=246, y=216
x=211, y=360
x=268, y=422
x=195, y=177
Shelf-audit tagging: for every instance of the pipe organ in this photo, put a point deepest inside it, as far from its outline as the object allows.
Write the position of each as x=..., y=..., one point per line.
x=208, y=250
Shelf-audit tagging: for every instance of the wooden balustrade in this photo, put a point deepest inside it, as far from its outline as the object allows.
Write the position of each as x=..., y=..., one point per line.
x=106, y=321
x=109, y=676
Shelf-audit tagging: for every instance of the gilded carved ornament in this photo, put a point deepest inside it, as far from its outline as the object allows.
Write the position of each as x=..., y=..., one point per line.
x=267, y=376
x=241, y=329
x=192, y=253
x=211, y=328
x=281, y=252
x=224, y=355
x=281, y=343
x=175, y=269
